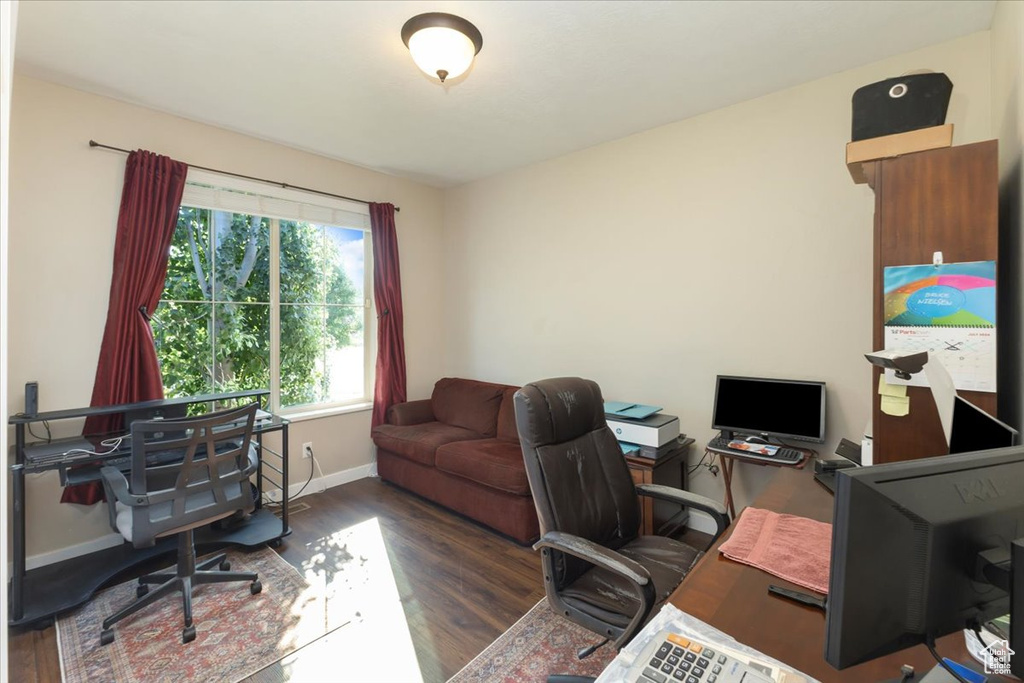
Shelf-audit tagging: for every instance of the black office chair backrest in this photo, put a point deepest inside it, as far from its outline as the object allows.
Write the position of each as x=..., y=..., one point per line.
x=579, y=479
x=193, y=470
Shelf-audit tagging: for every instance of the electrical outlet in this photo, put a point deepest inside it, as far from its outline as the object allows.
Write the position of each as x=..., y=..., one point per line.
x=307, y=449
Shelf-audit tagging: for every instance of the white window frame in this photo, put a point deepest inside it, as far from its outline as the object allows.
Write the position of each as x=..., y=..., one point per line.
x=207, y=190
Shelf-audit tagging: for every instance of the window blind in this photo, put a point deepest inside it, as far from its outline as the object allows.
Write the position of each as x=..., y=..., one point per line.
x=223, y=193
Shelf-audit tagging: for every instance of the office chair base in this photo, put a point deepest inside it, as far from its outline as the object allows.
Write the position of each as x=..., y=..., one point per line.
x=585, y=652
x=188, y=574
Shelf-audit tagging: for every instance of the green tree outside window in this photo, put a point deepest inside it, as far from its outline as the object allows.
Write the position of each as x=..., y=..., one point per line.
x=213, y=325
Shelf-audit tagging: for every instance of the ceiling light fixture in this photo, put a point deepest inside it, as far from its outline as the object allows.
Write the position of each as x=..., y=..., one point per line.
x=442, y=45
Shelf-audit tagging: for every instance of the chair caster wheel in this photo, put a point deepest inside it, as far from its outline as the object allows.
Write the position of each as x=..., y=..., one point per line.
x=225, y=566
x=255, y=587
x=275, y=543
x=188, y=634
x=141, y=590
x=106, y=636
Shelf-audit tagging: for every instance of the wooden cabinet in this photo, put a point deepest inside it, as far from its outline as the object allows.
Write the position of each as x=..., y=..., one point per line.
x=668, y=470
x=940, y=200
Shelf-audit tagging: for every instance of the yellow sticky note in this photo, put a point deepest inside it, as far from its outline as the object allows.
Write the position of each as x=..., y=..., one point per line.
x=886, y=389
x=897, y=406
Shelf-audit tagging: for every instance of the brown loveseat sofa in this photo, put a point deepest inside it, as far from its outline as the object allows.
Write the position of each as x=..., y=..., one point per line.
x=460, y=448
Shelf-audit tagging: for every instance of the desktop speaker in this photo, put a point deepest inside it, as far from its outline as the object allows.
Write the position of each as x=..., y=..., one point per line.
x=897, y=105
x=31, y=398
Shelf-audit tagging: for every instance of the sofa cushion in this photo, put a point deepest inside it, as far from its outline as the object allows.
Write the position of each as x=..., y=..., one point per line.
x=492, y=462
x=419, y=442
x=507, y=416
x=468, y=404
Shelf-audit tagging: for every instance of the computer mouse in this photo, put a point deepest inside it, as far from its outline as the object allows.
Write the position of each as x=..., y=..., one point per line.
x=756, y=439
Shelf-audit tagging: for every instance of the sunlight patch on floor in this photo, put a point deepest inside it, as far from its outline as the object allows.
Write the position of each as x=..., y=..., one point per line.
x=368, y=637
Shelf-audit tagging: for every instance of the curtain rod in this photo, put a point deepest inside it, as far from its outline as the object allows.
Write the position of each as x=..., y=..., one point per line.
x=286, y=186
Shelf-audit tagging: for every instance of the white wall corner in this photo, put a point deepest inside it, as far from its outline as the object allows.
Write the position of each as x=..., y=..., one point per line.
x=8, y=32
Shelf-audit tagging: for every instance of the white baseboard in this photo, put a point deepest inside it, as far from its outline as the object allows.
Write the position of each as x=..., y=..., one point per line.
x=322, y=483
x=316, y=485
x=102, y=543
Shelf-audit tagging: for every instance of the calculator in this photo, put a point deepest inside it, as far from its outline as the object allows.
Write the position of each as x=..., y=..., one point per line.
x=670, y=658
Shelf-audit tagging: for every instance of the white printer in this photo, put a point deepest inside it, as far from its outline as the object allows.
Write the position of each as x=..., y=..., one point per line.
x=652, y=431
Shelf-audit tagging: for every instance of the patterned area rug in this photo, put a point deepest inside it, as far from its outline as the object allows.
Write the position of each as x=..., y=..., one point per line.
x=539, y=644
x=237, y=633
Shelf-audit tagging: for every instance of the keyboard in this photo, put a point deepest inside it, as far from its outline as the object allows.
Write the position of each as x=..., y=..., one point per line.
x=124, y=462
x=669, y=658
x=783, y=456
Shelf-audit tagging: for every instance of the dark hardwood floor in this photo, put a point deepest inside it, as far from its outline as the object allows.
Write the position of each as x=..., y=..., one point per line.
x=460, y=585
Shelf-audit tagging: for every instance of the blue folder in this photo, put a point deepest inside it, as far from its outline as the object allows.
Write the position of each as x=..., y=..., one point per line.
x=632, y=411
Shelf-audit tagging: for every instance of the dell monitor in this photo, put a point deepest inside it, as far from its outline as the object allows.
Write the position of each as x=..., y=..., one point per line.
x=975, y=430
x=781, y=408
x=924, y=548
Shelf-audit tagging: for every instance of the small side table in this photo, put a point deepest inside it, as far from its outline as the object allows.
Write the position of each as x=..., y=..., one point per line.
x=658, y=516
x=728, y=461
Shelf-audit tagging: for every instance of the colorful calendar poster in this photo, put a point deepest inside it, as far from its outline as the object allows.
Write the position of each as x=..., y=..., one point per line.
x=948, y=310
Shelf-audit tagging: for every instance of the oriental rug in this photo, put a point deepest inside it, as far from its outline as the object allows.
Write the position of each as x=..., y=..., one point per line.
x=539, y=644
x=237, y=633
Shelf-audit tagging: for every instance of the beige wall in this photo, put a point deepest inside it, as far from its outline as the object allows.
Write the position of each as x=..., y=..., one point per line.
x=1008, y=125
x=63, y=213
x=733, y=243
x=8, y=32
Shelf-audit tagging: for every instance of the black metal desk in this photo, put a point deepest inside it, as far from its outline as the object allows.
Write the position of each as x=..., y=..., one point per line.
x=40, y=594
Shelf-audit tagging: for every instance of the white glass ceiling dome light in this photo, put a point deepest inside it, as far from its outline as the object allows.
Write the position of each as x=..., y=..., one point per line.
x=442, y=45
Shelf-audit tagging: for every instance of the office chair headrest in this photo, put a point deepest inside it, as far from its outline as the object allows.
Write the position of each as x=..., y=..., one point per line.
x=558, y=410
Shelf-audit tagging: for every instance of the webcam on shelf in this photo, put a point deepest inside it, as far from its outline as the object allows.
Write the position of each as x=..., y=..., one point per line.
x=903, y=363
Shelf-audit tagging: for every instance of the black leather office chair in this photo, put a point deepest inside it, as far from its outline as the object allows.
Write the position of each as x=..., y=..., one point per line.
x=184, y=473
x=598, y=572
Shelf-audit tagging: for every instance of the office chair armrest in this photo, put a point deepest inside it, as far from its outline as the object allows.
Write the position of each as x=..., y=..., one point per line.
x=411, y=413
x=114, y=482
x=253, y=459
x=713, y=508
x=595, y=554
x=612, y=561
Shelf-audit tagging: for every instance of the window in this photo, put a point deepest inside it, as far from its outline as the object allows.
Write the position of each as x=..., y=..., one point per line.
x=266, y=292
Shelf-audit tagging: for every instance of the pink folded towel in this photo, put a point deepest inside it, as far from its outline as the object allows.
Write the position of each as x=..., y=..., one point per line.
x=793, y=548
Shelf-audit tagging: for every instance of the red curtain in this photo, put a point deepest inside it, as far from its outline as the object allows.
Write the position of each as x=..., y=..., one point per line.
x=387, y=295
x=128, y=370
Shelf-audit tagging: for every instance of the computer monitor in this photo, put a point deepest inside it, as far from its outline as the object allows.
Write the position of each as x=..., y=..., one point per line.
x=975, y=430
x=924, y=548
x=783, y=408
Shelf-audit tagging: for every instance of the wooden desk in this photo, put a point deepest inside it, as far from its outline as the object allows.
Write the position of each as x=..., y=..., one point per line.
x=734, y=598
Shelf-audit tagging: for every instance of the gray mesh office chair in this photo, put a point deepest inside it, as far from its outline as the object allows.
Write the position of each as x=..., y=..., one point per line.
x=598, y=571
x=185, y=473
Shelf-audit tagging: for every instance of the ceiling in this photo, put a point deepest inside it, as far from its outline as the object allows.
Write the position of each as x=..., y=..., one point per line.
x=553, y=77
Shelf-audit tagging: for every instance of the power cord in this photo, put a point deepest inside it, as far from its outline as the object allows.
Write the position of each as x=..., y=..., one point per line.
x=46, y=424
x=313, y=464
x=110, y=444
x=711, y=467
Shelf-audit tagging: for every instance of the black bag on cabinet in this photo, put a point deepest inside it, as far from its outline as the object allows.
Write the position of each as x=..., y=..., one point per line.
x=897, y=105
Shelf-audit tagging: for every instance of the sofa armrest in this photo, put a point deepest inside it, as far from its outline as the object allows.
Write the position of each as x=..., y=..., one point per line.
x=410, y=413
